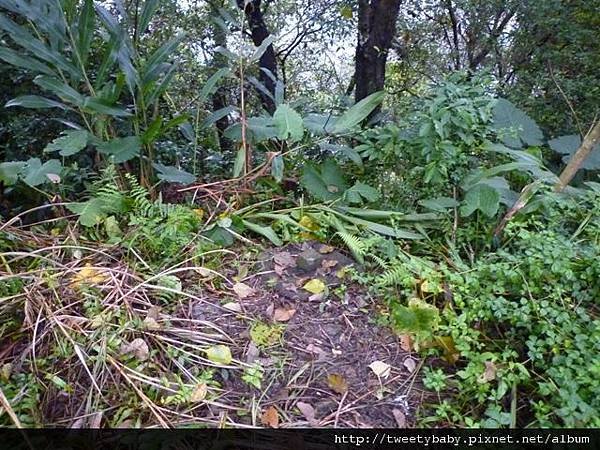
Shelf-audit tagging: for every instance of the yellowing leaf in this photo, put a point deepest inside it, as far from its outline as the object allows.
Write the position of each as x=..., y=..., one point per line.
x=243, y=290
x=199, y=213
x=88, y=275
x=337, y=383
x=381, y=369
x=446, y=343
x=315, y=286
x=324, y=249
x=220, y=354
x=270, y=417
x=199, y=393
x=307, y=222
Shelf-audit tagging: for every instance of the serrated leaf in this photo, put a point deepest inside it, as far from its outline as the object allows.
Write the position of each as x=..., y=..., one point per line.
x=357, y=113
x=173, y=174
x=121, y=149
x=35, y=173
x=71, y=143
x=288, y=123
x=483, y=198
x=220, y=354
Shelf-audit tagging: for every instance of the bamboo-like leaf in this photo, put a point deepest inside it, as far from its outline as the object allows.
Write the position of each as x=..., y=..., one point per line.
x=160, y=56
x=85, y=30
x=35, y=102
x=60, y=89
x=262, y=48
x=211, y=83
x=217, y=115
x=36, y=47
x=357, y=113
x=25, y=62
x=99, y=106
x=148, y=10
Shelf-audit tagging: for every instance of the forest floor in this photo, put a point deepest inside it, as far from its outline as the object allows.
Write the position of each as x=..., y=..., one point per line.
x=280, y=338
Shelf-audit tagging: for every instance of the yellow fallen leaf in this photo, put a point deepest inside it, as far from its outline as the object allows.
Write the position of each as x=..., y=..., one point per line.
x=337, y=383
x=446, y=343
x=324, y=249
x=199, y=393
x=314, y=286
x=270, y=417
x=88, y=275
x=199, y=213
x=220, y=354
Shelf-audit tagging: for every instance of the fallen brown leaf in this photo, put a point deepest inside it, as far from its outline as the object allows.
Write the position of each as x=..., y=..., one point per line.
x=199, y=393
x=270, y=417
x=400, y=418
x=406, y=342
x=138, y=347
x=489, y=373
x=328, y=263
x=308, y=412
x=284, y=259
x=243, y=290
x=324, y=249
x=283, y=315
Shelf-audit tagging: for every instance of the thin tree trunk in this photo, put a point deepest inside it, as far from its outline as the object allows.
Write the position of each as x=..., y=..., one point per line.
x=376, y=30
x=259, y=32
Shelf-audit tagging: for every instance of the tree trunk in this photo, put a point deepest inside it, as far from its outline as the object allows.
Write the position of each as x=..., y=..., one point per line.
x=259, y=32
x=376, y=30
x=219, y=98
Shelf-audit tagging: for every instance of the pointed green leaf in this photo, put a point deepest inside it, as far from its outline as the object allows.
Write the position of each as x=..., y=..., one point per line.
x=264, y=231
x=100, y=106
x=85, y=30
x=483, y=198
x=357, y=113
x=277, y=168
x=289, y=123
x=35, y=102
x=60, y=89
x=11, y=57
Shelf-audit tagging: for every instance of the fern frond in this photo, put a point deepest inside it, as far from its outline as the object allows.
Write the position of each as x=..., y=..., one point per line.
x=395, y=275
x=355, y=244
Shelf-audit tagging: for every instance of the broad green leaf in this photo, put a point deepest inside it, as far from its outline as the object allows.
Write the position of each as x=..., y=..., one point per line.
x=173, y=174
x=35, y=102
x=35, y=173
x=71, y=143
x=121, y=149
x=277, y=168
x=568, y=145
x=325, y=182
x=361, y=192
x=60, y=89
x=417, y=317
x=357, y=113
x=100, y=106
x=288, y=123
x=10, y=170
x=90, y=213
x=320, y=124
x=220, y=354
x=11, y=57
x=483, y=198
x=508, y=117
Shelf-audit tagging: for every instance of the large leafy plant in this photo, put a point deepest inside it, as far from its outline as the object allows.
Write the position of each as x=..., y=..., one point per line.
x=88, y=62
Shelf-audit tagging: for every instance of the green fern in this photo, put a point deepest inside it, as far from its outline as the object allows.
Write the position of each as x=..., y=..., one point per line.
x=393, y=276
x=355, y=244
